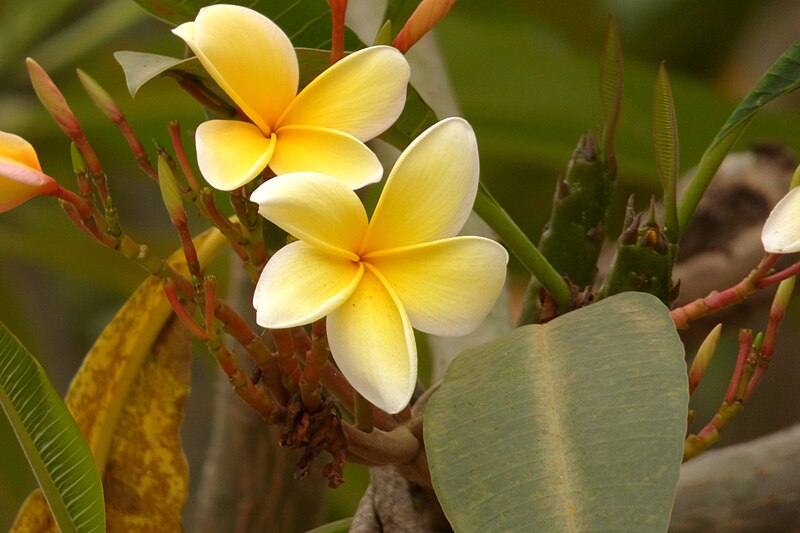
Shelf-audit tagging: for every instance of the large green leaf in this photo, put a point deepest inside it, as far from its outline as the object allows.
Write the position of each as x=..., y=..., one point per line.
x=575, y=425
x=57, y=451
x=306, y=22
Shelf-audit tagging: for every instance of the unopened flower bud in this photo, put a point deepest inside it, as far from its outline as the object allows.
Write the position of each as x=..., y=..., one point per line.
x=53, y=100
x=55, y=104
x=782, y=296
x=100, y=97
x=422, y=20
x=171, y=193
x=703, y=358
x=21, y=176
x=384, y=36
x=78, y=161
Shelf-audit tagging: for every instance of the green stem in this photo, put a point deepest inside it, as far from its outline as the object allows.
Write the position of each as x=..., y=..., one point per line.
x=518, y=243
x=709, y=163
x=363, y=413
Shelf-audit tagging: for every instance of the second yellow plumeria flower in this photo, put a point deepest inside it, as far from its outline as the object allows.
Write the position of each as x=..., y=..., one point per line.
x=322, y=129
x=377, y=279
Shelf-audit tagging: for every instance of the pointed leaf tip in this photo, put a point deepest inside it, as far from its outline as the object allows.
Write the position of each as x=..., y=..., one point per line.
x=665, y=142
x=610, y=87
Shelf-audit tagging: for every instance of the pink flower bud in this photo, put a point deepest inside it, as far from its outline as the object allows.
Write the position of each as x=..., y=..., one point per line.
x=422, y=20
x=53, y=100
x=21, y=176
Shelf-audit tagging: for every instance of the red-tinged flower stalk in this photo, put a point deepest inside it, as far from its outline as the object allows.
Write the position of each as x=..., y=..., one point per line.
x=338, y=10
x=422, y=20
x=776, y=313
x=177, y=214
x=55, y=104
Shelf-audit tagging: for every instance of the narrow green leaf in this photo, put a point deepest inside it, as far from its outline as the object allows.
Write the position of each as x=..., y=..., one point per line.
x=57, y=451
x=576, y=425
x=610, y=88
x=665, y=142
x=782, y=78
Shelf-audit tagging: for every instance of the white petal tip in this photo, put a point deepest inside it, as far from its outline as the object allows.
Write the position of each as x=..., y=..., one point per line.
x=781, y=232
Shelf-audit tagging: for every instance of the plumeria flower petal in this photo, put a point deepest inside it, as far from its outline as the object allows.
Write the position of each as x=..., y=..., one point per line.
x=353, y=96
x=374, y=344
x=248, y=56
x=447, y=287
x=231, y=153
x=781, y=232
x=322, y=129
x=375, y=280
x=430, y=191
x=21, y=176
x=303, y=284
x=315, y=208
x=326, y=151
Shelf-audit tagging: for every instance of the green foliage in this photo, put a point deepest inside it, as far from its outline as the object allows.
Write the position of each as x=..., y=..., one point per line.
x=610, y=92
x=665, y=141
x=57, y=451
x=575, y=425
x=140, y=67
x=781, y=79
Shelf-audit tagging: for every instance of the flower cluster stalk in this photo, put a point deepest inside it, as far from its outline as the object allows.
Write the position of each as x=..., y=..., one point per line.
x=733, y=295
x=316, y=360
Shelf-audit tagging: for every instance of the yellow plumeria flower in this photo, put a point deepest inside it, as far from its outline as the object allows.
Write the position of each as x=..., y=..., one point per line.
x=322, y=129
x=377, y=279
x=781, y=232
x=21, y=176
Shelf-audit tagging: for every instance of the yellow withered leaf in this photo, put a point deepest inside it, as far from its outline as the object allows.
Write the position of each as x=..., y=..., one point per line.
x=127, y=398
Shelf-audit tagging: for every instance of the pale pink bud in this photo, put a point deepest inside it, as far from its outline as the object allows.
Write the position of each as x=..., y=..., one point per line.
x=100, y=97
x=57, y=106
x=53, y=100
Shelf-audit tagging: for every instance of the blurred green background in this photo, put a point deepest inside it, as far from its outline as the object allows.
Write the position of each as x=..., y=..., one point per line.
x=525, y=74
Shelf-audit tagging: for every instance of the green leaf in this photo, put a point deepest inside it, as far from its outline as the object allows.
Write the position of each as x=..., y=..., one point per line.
x=610, y=89
x=782, y=78
x=306, y=22
x=140, y=67
x=57, y=451
x=575, y=425
x=665, y=142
